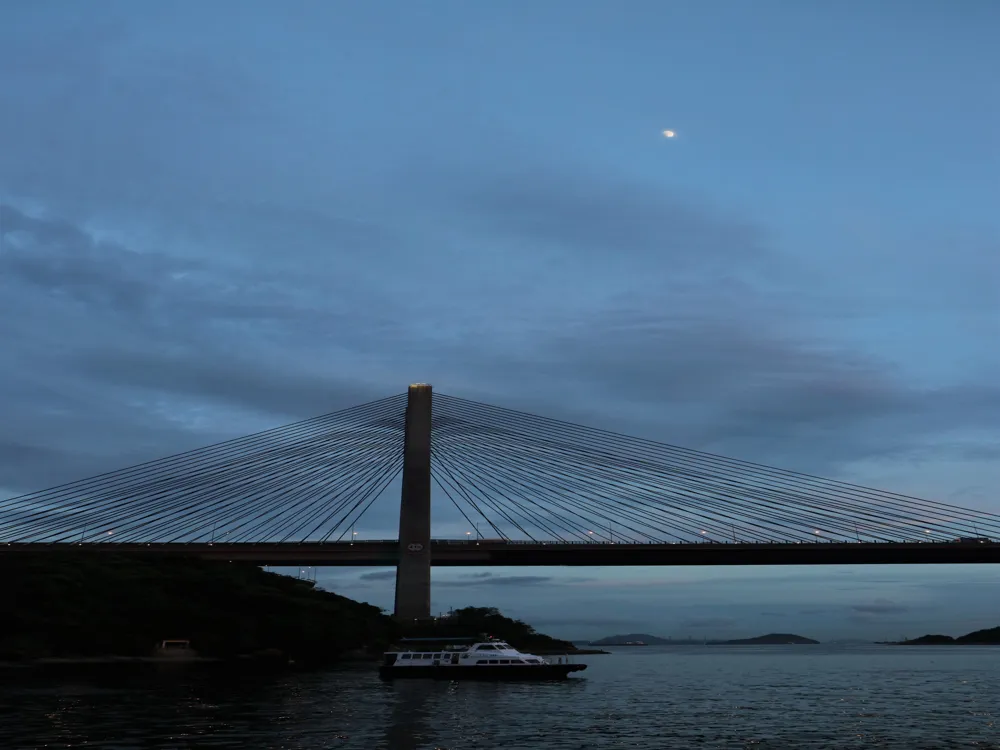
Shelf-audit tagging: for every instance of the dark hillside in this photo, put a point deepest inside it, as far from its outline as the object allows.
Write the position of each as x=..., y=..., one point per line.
x=80, y=604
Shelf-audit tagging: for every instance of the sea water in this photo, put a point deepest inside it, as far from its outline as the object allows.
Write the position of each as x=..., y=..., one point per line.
x=639, y=697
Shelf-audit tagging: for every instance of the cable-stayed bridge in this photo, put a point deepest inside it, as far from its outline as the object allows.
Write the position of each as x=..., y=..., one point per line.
x=537, y=491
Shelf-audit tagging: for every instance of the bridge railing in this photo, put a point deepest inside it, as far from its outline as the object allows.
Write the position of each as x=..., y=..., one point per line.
x=529, y=542
x=742, y=542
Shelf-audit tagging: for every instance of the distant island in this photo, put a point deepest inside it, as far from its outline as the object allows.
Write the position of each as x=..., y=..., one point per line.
x=633, y=639
x=850, y=642
x=644, y=639
x=771, y=639
x=988, y=637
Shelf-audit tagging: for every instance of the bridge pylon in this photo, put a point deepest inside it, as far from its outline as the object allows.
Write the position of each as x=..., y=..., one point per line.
x=413, y=571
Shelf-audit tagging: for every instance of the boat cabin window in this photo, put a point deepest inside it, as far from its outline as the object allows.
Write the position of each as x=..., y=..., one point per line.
x=427, y=656
x=405, y=656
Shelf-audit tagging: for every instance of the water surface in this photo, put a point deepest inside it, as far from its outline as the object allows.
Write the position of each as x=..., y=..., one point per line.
x=651, y=697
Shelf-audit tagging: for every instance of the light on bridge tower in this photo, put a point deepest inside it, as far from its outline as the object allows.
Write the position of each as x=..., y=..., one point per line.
x=413, y=571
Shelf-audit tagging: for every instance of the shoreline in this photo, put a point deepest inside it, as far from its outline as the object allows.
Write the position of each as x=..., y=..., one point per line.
x=241, y=661
x=248, y=660
x=578, y=652
x=105, y=661
x=943, y=643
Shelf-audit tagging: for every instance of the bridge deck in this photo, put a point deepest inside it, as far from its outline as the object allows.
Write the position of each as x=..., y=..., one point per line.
x=494, y=553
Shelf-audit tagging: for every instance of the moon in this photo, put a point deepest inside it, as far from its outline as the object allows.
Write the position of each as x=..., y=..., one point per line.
x=669, y=133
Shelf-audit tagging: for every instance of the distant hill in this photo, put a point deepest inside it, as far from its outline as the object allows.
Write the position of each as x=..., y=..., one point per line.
x=928, y=640
x=771, y=639
x=988, y=637
x=631, y=639
x=849, y=642
x=651, y=640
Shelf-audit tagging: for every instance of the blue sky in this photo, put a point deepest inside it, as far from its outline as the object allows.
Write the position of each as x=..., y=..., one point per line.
x=219, y=217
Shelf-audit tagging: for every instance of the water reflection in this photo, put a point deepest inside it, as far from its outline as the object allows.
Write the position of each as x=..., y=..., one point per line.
x=408, y=726
x=469, y=712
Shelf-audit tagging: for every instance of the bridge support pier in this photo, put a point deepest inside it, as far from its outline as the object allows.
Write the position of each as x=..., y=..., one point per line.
x=413, y=571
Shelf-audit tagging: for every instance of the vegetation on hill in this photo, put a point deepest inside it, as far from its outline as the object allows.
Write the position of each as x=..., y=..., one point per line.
x=474, y=621
x=988, y=637
x=97, y=604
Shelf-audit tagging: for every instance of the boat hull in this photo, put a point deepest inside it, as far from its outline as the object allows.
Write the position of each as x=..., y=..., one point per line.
x=490, y=672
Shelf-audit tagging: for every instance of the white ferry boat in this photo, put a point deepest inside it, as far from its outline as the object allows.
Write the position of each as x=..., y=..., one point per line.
x=489, y=659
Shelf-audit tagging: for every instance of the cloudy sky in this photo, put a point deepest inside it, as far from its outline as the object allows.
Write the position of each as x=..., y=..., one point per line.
x=218, y=217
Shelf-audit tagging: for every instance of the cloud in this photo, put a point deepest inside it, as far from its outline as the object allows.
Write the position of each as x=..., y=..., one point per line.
x=491, y=580
x=162, y=351
x=488, y=578
x=880, y=607
x=699, y=334
x=587, y=215
x=748, y=384
x=378, y=575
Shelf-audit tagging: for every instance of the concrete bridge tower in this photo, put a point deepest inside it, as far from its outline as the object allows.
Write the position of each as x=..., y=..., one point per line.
x=413, y=571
